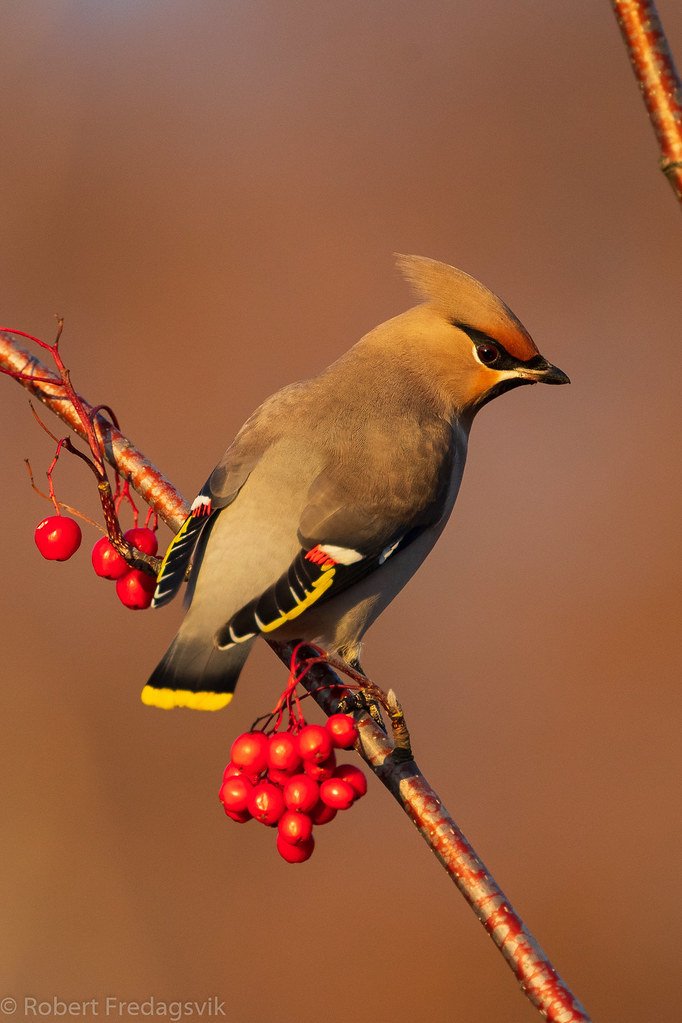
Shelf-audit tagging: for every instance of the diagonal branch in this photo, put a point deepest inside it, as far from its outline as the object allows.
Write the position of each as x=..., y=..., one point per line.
x=395, y=767
x=654, y=68
x=391, y=761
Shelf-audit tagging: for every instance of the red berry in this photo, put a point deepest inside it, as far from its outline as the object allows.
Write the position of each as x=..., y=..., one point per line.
x=266, y=803
x=235, y=792
x=232, y=771
x=337, y=793
x=294, y=827
x=250, y=752
x=278, y=777
x=322, y=814
x=135, y=589
x=320, y=772
x=342, y=730
x=301, y=793
x=106, y=561
x=354, y=776
x=240, y=816
x=295, y=853
x=58, y=537
x=314, y=743
x=283, y=753
x=142, y=538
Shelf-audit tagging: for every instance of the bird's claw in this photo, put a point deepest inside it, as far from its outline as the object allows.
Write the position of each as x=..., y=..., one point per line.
x=357, y=703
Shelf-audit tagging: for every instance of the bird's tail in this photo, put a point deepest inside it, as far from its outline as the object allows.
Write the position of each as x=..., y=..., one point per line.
x=196, y=674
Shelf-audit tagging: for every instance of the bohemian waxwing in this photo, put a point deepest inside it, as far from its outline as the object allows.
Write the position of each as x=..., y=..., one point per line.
x=336, y=488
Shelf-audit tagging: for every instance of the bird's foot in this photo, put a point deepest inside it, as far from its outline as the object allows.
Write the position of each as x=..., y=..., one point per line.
x=374, y=710
x=367, y=698
x=358, y=702
x=373, y=700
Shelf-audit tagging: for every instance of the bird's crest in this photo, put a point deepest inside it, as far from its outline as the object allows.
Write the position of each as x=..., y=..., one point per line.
x=465, y=301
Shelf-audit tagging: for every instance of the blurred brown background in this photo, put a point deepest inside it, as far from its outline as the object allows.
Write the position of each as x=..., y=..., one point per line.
x=211, y=194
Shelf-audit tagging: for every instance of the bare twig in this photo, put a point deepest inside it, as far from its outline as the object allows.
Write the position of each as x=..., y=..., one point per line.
x=86, y=418
x=119, y=452
x=654, y=68
x=392, y=762
x=60, y=504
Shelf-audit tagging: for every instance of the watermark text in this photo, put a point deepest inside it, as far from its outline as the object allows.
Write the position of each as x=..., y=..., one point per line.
x=113, y=1007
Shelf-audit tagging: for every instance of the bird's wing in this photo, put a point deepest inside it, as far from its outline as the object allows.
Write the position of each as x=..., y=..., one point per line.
x=314, y=576
x=219, y=491
x=352, y=523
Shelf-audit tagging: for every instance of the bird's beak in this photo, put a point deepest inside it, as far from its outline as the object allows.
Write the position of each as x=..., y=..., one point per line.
x=544, y=372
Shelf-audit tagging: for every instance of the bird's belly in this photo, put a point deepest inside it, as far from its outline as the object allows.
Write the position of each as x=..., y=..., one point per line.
x=253, y=541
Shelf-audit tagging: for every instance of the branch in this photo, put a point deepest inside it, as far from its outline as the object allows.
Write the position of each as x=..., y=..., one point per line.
x=654, y=68
x=119, y=452
x=394, y=766
x=391, y=761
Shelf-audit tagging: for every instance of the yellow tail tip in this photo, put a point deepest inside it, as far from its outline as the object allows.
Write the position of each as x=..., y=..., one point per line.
x=166, y=699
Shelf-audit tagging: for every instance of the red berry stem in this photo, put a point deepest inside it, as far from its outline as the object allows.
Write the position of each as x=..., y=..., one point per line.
x=122, y=495
x=151, y=520
x=50, y=471
x=87, y=422
x=63, y=506
x=290, y=701
x=256, y=726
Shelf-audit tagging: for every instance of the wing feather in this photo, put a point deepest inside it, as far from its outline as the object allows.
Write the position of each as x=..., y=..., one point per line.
x=177, y=558
x=310, y=579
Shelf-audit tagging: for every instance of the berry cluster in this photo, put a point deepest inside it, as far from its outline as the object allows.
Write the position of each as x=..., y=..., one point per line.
x=134, y=588
x=58, y=537
x=290, y=780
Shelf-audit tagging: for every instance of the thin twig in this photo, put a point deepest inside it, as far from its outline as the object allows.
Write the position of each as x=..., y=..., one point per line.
x=86, y=425
x=391, y=762
x=86, y=419
x=654, y=68
x=62, y=504
x=119, y=452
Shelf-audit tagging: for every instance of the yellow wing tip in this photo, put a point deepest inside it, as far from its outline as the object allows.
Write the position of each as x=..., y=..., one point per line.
x=167, y=699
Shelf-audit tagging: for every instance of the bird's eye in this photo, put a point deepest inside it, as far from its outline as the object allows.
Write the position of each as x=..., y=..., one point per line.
x=488, y=354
